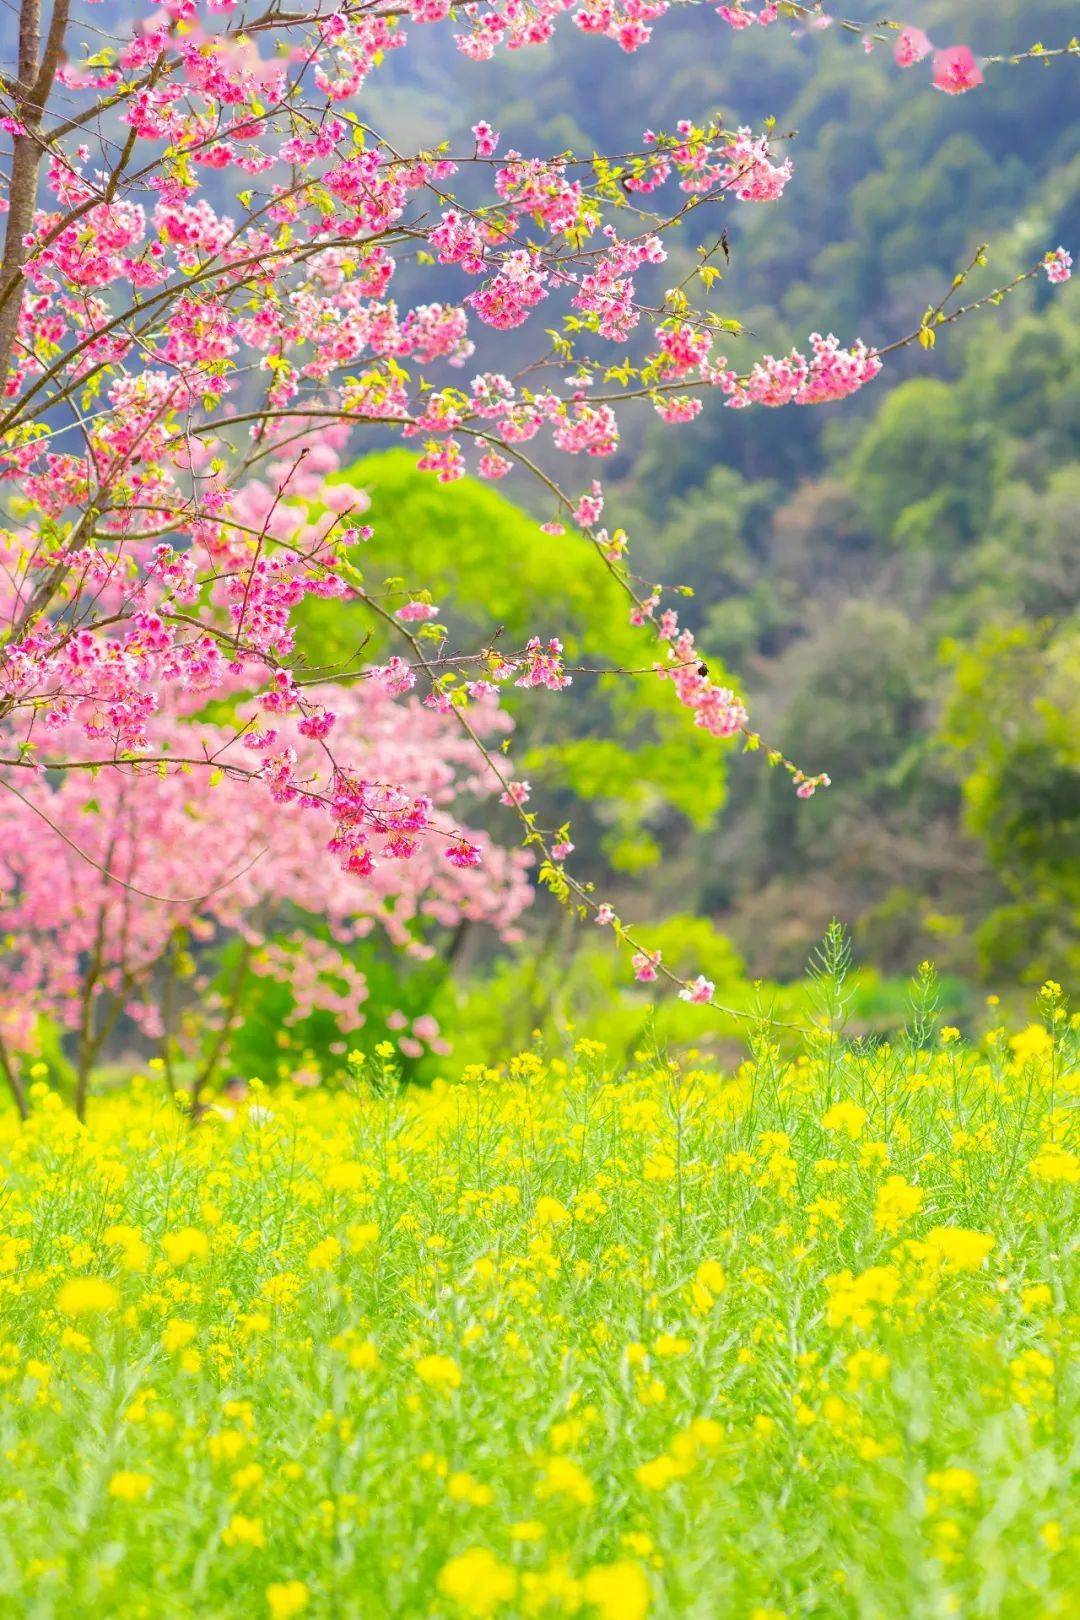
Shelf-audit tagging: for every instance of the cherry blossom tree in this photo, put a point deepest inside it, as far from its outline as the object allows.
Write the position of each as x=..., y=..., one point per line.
x=196, y=324
x=108, y=889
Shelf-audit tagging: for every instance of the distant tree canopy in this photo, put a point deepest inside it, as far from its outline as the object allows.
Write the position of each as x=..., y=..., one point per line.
x=922, y=471
x=943, y=515
x=1013, y=720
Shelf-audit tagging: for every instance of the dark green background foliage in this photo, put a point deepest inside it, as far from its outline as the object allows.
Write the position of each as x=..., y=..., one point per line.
x=893, y=582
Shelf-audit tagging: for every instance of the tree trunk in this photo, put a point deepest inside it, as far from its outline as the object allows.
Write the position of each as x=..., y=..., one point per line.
x=30, y=93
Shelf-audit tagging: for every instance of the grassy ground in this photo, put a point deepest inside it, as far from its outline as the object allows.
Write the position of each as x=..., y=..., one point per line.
x=552, y=1341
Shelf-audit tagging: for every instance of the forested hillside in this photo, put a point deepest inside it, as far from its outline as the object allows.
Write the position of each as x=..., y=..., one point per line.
x=893, y=582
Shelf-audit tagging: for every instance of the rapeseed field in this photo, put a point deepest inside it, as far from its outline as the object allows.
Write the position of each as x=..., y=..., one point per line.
x=553, y=1339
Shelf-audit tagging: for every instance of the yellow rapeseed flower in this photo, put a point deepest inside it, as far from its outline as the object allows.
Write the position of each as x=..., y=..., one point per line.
x=362, y=1236
x=187, y=1244
x=227, y=1444
x=286, y=1599
x=952, y=1486
x=441, y=1372
x=346, y=1176
x=856, y=1299
x=242, y=1531
x=477, y=1581
x=1055, y=1163
x=618, y=1591
x=897, y=1201
x=87, y=1296
x=127, y=1486
x=325, y=1255
x=462, y=1487
x=178, y=1334
x=564, y=1477
x=846, y=1117
x=1033, y=1042
x=956, y=1248
x=659, y=1472
x=134, y=1251
x=669, y=1346
x=363, y=1355
x=526, y=1530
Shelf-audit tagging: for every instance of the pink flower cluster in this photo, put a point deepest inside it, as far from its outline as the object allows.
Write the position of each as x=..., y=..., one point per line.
x=831, y=373
x=710, y=161
x=646, y=966
x=716, y=709
x=955, y=69
x=543, y=665
x=231, y=856
x=741, y=16
x=1058, y=266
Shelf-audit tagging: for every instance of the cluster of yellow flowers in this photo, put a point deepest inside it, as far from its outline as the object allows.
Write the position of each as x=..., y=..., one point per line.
x=551, y=1340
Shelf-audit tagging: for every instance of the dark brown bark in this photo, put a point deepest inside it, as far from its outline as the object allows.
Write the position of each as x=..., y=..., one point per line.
x=30, y=94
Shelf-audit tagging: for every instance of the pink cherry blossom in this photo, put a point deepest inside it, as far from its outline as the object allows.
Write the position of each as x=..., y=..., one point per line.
x=487, y=139
x=646, y=965
x=267, y=853
x=1058, y=266
x=912, y=46
x=956, y=70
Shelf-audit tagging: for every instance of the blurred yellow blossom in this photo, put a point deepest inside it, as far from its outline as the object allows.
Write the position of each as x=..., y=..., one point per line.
x=618, y=1591
x=477, y=1582
x=441, y=1372
x=286, y=1599
x=87, y=1296
x=187, y=1244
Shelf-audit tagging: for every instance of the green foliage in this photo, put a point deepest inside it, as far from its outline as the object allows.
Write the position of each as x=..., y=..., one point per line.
x=573, y=980
x=485, y=561
x=622, y=744
x=922, y=469
x=837, y=548
x=580, y=982
x=272, y=1040
x=565, y=978
x=557, y=982
x=1013, y=720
